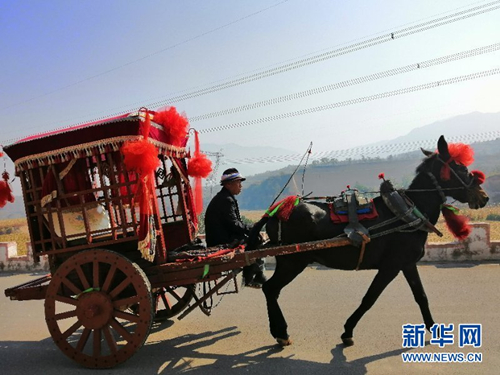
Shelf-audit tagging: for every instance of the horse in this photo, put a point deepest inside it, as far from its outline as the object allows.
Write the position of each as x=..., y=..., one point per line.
x=441, y=174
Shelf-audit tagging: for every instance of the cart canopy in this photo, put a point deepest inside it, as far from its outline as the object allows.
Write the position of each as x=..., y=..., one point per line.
x=86, y=140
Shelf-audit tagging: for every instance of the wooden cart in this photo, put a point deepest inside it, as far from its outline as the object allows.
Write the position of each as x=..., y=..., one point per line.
x=102, y=295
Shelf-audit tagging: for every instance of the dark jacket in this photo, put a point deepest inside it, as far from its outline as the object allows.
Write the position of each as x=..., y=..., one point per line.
x=223, y=223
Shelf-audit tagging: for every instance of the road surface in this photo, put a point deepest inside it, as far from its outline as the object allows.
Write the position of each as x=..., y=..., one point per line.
x=235, y=339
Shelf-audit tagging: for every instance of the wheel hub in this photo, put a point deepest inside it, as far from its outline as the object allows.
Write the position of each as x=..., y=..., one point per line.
x=94, y=310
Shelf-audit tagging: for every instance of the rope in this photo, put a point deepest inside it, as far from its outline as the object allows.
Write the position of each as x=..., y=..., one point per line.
x=305, y=165
x=291, y=176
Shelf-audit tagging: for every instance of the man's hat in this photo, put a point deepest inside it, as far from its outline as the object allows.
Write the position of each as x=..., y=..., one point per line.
x=230, y=175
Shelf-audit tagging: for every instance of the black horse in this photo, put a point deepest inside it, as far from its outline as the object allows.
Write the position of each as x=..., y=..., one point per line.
x=389, y=254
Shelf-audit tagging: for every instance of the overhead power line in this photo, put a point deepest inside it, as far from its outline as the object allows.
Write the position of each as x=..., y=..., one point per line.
x=345, y=103
x=458, y=16
x=351, y=82
x=454, y=17
x=368, y=151
x=437, y=22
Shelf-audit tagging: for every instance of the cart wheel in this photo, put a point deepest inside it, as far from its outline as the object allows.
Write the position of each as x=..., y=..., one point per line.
x=88, y=308
x=170, y=301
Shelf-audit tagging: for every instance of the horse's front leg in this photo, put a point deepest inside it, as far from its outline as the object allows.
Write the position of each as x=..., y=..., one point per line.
x=286, y=270
x=379, y=283
x=413, y=279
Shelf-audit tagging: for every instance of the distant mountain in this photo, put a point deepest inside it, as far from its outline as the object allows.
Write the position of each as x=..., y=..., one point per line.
x=13, y=210
x=475, y=122
x=330, y=178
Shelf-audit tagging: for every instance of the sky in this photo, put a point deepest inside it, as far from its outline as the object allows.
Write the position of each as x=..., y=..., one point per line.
x=67, y=62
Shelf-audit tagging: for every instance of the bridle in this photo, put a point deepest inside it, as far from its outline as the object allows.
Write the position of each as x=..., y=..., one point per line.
x=438, y=187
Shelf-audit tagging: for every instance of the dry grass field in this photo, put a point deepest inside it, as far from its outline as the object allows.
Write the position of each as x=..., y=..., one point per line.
x=16, y=230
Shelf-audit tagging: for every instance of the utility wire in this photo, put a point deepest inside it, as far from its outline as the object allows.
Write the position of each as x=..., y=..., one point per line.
x=368, y=151
x=351, y=82
x=345, y=103
x=338, y=52
x=454, y=17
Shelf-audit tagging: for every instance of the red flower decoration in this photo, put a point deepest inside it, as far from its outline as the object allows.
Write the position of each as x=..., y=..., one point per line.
x=479, y=176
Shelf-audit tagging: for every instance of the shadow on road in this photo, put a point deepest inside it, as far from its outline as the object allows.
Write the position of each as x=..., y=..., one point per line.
x=190, y=353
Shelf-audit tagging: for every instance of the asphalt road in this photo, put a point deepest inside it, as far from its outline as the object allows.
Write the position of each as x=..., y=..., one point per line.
x=235, y=339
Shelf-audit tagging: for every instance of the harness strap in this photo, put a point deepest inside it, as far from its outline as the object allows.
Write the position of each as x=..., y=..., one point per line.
x=366, y=239
x=414, y=224
x=438, y=187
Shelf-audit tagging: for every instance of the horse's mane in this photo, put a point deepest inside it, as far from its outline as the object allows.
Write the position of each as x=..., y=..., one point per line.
x=426, y=162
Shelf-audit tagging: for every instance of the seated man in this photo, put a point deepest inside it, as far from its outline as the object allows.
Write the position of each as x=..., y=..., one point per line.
x=223, y=224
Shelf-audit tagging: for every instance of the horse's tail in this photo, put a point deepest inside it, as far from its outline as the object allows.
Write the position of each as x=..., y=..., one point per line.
x=253, y=238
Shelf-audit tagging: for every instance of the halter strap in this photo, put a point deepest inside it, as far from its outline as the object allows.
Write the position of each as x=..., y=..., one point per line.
x=437, y=186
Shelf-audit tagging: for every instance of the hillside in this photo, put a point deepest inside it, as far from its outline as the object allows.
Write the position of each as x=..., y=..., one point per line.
x=462, y=125
x=13, y=210
x=329, y=178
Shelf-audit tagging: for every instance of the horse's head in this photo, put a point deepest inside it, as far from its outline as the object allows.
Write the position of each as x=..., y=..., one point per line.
x=448, y=169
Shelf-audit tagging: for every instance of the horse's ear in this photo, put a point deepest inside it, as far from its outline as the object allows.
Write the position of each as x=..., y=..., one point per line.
x=425, y=152
x=443, y=148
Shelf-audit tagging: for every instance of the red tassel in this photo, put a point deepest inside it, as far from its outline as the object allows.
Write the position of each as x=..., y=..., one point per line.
x=479, y=176
x=287, y=207
x=5, y=190
x=283, y=209
x=198, y=195
x=175, y=124
x=458, y=225
x=140, y=156
x=199, y=166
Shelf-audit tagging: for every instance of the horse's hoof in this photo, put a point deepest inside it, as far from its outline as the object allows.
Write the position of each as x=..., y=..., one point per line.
x=284, y=342
x=348, y=341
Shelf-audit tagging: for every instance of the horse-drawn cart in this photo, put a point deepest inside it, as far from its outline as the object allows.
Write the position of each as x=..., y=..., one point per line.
x=109, y=232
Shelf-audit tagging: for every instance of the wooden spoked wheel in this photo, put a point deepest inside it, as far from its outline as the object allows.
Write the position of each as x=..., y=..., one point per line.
x=171, y=301
x=98, y=308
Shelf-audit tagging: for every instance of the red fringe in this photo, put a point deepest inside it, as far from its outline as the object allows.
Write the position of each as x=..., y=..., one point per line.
x=458, y=225
x=286, y=208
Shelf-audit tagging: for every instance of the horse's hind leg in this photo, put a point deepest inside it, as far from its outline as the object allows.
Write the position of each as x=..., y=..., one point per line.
x=287, y=268
x=413, y=279
x=379, y=283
